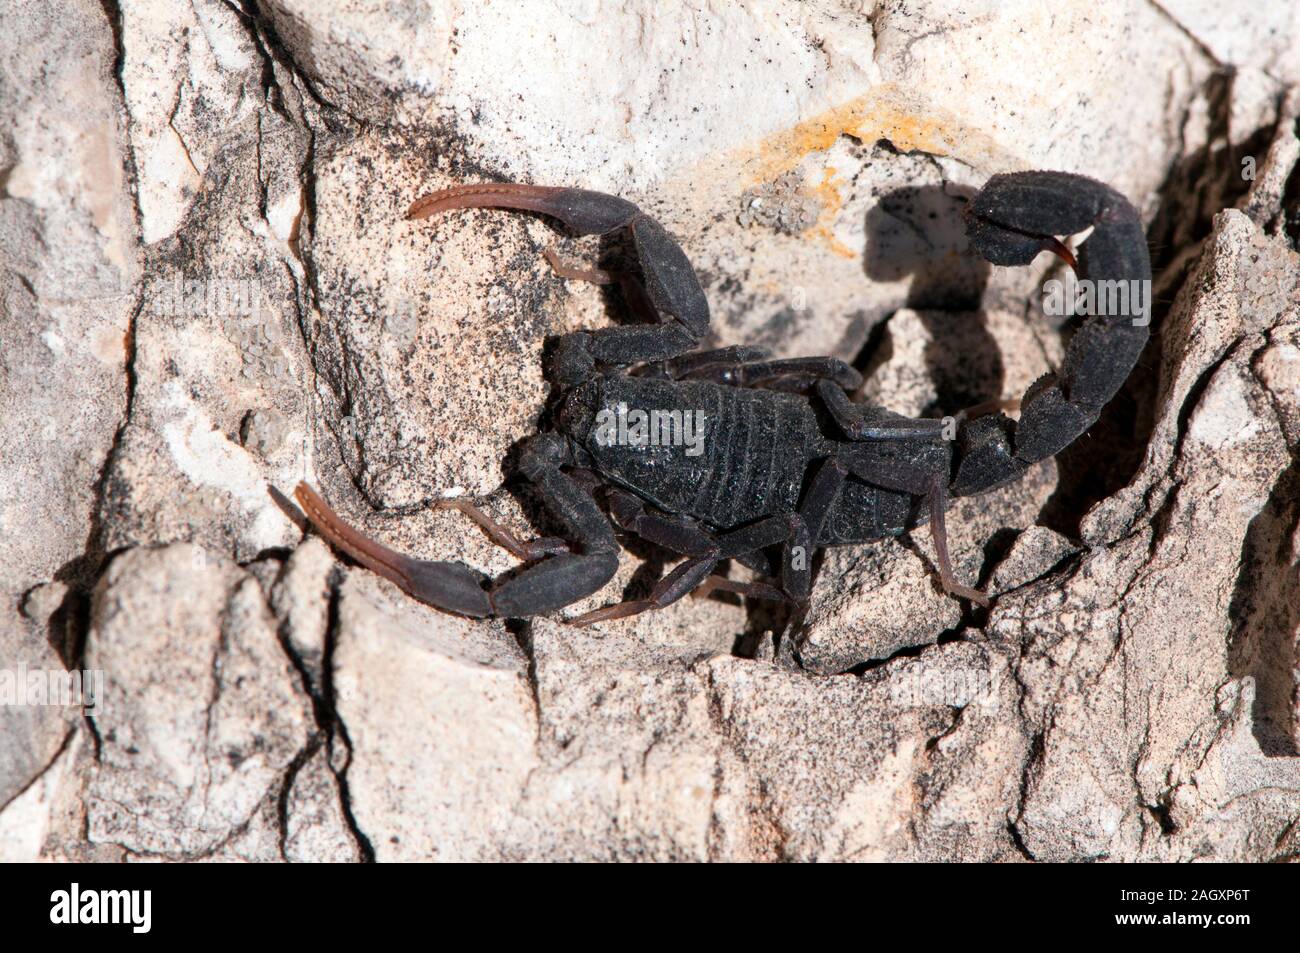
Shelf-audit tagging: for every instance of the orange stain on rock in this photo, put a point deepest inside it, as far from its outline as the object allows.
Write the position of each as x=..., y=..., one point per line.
x=883, y=113
x=828, y=194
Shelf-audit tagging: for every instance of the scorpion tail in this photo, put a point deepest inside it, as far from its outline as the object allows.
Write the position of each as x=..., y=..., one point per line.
x=1011, y=220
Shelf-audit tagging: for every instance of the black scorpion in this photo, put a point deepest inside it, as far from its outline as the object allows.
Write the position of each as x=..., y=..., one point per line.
x=787, y=459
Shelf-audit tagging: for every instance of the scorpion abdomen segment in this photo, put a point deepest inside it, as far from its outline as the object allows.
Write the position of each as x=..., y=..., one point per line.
x=1049, y=421
x=865, y=512
x=986, y=455
x=745, y=456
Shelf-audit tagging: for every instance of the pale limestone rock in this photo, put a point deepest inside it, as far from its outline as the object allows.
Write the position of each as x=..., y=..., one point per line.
x=67, y=289
x=32, y=729
x=316, y=828
x=1035, y=552
x=213, y=293
x=1169, y=602
x=441, y=723
x=301, y=600
x=1268, y=41
x=202, y=712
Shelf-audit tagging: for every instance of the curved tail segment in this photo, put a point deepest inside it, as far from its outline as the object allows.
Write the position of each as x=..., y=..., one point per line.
x=1013, y=218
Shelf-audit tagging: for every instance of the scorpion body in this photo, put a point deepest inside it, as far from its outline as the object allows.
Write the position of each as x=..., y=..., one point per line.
x=787, y=463
x=759, y=448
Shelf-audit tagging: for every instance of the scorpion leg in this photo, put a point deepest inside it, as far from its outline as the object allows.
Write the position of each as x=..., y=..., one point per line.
x=816, y=505
x=938, y=497
x=670, y=283
x=750, y=590
x=1009, y=222
x=685, y=577
x=860, y=422
x=921, y=468
x=797, y=533
x=677, y=534
x=556, y=581
x=802, y=370
x=503, y=536
x=680, y=534
x=680, y=367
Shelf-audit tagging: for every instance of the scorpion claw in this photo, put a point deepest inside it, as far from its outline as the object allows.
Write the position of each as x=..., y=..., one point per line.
x=587, y=213
x=452, y=587
x=671, y=285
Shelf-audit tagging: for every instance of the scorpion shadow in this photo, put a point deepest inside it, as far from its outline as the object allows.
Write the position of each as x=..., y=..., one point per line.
x=918, y=232
x=1265, y=610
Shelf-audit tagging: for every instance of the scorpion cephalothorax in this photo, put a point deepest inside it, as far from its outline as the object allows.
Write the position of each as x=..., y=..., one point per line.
x=787, y=459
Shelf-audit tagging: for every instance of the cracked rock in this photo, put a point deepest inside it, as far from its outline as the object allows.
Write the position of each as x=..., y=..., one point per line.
x=67, y=289
x=441, y=723
x=201, y=719
x=1036, y=552
x=1168, y=601
x=211, y=292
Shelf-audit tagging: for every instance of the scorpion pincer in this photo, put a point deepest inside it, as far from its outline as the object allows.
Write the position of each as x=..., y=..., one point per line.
x=789, y=463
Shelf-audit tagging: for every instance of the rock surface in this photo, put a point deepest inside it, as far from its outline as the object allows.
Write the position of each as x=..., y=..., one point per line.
x=211, y=293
